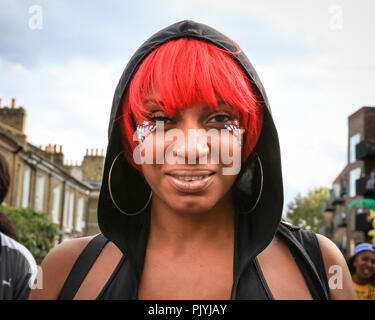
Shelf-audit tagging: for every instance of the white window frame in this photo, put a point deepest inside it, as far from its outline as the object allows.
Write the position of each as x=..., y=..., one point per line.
x=56, y=202
x=71, y=210
x=39, y=191
x=354, y=140
x=336, y=190
x=65, y=211
x=79, y=220
x=354, y=175
x=26, y=186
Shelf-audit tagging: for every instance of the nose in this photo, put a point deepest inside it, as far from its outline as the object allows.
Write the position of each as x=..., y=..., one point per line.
x=193, y=145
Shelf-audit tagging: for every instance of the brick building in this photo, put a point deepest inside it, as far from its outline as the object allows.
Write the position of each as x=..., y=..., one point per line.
x=42, y=179
x=348, y=227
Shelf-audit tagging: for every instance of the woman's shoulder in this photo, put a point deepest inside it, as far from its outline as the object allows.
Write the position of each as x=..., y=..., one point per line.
x=326, y=255
x=57, y=265
x=339, y=278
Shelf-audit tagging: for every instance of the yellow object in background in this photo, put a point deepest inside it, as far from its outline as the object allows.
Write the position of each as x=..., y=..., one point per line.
x=364, y=292
x=371, y=233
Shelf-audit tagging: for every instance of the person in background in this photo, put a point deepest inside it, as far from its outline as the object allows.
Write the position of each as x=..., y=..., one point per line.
x=362, y=268
x=18, y=268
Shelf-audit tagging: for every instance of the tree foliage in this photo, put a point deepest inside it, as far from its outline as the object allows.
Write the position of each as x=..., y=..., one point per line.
x=36, y=231
x=306, y=212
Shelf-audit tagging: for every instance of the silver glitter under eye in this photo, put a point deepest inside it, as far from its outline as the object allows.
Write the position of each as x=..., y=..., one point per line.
x=234, y=127
x=144, y=130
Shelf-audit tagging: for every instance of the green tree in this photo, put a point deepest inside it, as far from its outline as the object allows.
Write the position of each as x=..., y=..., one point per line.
x=306, y=212
x=35, y=230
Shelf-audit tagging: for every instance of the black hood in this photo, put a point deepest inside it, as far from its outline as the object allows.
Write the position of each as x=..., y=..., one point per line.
x=253, y=231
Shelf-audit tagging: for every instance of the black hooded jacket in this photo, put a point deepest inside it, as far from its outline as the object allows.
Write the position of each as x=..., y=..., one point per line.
x=253, y=231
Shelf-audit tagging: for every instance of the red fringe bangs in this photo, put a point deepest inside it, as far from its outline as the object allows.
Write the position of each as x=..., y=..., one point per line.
x=186, y=72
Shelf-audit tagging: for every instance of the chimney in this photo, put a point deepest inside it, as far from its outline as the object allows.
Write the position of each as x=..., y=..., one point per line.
x=58, y=157
x=92, y=165
x=13, y=117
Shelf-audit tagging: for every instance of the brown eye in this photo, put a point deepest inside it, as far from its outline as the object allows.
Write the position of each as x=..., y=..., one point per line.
x=160, y=117
x=219, y=118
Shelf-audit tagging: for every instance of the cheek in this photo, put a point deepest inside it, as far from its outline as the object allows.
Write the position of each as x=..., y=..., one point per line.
x=151, y=172
x=225, y=147
x=227, y=182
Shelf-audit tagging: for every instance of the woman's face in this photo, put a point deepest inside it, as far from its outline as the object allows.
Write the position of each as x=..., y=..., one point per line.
x=364, y=264
x=201, y=156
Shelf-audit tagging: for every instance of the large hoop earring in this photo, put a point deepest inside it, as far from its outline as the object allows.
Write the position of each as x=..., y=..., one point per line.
x=111, y=195
x=261, y=185
x=247, y=183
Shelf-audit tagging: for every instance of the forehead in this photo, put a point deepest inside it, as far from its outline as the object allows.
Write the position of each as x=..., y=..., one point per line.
x=367, y=254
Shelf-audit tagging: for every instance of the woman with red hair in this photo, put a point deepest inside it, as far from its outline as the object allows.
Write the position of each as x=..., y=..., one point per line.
x=176, y=222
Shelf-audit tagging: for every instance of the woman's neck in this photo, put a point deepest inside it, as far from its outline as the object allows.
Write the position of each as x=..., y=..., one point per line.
x=179, y=230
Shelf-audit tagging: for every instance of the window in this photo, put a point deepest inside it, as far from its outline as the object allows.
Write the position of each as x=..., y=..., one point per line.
x=39, y=192
x=336, y=190
x=26, y=187
x=68, y=210
x=18, y=185
x=71, y=210
x=354, y=140
x=355, y=174
x=80, y=223
x=56, y=203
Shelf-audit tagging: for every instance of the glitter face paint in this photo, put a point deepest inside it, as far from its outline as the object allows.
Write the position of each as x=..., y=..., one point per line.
x=144, y=130
x=147, y=128
x=234, y=127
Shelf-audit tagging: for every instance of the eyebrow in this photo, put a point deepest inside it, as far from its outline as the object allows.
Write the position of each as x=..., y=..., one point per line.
x=153, y=101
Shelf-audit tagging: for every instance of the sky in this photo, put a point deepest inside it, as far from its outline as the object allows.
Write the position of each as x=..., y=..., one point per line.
x=61, y=61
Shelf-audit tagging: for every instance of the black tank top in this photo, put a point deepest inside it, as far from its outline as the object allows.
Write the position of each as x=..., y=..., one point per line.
x=302, y=244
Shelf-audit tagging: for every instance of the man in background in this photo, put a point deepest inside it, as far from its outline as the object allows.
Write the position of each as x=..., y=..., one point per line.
x=17, y=266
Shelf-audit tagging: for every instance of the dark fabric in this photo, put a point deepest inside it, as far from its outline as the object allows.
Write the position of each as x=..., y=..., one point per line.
x=82, y=266
x=305, y=248
x=17, y=270
x=119, y=287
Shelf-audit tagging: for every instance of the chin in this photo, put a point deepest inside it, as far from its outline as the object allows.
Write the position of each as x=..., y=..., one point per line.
x=191, y=204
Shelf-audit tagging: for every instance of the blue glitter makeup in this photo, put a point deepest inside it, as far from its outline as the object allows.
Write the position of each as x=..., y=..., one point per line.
x=235, y=128
x=144, y=130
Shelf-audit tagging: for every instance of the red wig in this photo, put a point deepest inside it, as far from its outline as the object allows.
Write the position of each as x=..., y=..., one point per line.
x=187, y=72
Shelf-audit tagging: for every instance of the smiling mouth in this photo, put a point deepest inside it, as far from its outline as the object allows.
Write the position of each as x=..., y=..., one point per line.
x=366, y=271
x=191, y=182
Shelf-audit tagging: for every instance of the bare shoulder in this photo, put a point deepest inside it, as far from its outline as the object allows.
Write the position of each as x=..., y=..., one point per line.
x=56, y=267
x=339, y=278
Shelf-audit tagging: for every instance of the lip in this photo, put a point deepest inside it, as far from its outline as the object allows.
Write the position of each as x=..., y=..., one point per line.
x=190, y=186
